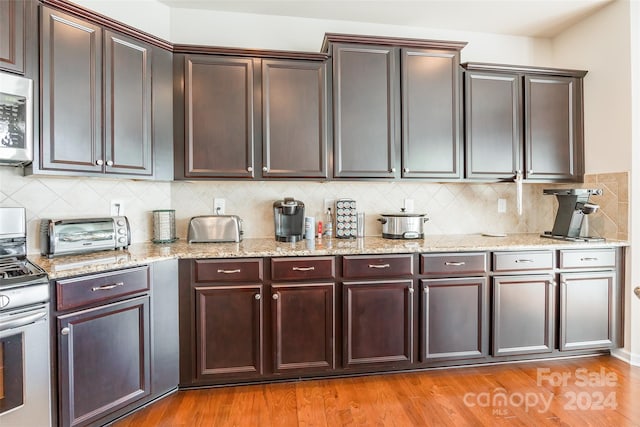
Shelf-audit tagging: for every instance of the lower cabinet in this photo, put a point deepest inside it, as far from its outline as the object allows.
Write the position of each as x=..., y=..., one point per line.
x=455, y=318
x=523, y=314
x=103, y=360
x=587, y=310
x=378, y=322
x=303, y=327
x=229, y=331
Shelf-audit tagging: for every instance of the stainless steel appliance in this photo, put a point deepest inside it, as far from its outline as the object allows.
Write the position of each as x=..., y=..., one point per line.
x=72, y=236
x=215, y=229
x=573, y=205
x=25, y=378
x=288, y=218
x=403, y=225
x=16, y=119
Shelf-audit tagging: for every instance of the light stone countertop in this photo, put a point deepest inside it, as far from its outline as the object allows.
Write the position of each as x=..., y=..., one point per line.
x=144, y=253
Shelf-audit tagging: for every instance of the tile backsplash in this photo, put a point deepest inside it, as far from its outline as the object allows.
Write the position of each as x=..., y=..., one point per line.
x=452, y=208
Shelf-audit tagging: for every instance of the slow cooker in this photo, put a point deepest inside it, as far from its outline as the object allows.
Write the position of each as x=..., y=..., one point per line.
x=403, y=225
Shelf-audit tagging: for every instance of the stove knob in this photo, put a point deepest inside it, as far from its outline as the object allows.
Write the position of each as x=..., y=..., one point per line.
x=121, y=231
x=120, y=223
x=122, y=240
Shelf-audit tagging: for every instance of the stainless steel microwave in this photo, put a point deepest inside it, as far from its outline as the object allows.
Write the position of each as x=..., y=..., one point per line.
x=16, y=119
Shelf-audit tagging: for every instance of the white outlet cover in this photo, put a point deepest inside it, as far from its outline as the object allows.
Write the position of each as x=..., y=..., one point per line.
x=116, y=208
x=218, y=206
x=408, y=205
x=502, y=205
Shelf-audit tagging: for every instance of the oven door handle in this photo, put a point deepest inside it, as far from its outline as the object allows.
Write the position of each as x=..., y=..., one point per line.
x=19, y=321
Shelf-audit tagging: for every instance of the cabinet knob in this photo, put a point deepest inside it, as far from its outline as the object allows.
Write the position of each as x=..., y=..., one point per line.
x=405, y=170
x=426, y=290
x=393, y=169
x=530, y=172
x=99, y=162
x=265, y=169
x=411, y=290
x=109, y=162
x=65, y=331
x=637, y=291
x=275, y=296
x=250, y=169
x=257, y=296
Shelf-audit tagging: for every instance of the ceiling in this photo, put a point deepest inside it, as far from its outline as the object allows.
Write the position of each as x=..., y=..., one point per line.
x=532, y=18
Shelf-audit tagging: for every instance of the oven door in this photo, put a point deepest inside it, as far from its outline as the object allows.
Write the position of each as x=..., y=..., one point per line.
x=25, y=393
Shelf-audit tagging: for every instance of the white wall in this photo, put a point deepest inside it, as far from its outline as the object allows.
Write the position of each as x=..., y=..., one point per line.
x=607, y=45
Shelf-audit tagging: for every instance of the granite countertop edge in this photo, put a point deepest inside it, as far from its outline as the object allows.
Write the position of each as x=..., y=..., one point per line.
x=148, y=252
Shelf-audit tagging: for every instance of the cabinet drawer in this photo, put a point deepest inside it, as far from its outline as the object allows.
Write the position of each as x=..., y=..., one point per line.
x=377, y=266
x=86, y=290
x=237, y=270
x=598, y=258
x=522, y=261
x=453, y=263
x=303, y=268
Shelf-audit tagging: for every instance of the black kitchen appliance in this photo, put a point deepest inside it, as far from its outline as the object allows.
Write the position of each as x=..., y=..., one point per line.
x=288, y=217
x=573, y=205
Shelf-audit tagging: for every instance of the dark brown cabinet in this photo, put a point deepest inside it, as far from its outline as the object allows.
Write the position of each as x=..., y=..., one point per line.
x=93, y=76
x=366, y=111
x=104, y=347
x=396, y=108
x=526, y=120
x=229, y=331
x=252, y=117
x=523, y=314
x=12, y=35
x=378, y=322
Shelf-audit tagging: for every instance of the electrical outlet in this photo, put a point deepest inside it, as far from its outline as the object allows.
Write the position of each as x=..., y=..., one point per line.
x=329, y=203
x=408, y=205
x=218, y=206
x=502, y=205
x=117, y=208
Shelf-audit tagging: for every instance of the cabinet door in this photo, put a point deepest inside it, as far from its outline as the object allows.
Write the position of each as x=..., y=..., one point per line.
x=587, y=310
x=366, y=110
x=303, y=328
x=219, y=117
x=378, y=322
x=12, y=35
x=228, y=331
x=493, y=129
x=455, y=318
x=553, y=127
x=71, y=54
x=103, y=360
x=294, y=119
x=430, y=114
x=523, y=314
x=127, y=105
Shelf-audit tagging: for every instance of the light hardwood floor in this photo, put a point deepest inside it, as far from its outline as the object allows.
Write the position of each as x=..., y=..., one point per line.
x=587, y=391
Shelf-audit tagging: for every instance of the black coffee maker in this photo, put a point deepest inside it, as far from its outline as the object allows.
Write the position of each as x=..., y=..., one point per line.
x=288, y=217
x=573, y=205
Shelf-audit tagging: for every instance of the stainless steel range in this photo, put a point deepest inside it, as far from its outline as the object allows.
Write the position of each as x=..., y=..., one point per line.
x=25, y=386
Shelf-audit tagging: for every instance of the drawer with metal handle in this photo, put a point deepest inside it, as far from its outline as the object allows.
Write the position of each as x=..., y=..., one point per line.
x=358, y=266
x=303, y=268
x=523, y=261
x=227, y=270
x=453, y=263
x=588, y=258
x=103, y=287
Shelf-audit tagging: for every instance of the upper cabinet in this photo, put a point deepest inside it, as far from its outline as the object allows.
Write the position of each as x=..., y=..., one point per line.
x=12, y=35
x=99, y=115
x=396, y=107
x=526, y=120
x=250, y=117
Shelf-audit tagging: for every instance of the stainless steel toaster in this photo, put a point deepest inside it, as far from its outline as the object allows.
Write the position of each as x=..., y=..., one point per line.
x=214, y=229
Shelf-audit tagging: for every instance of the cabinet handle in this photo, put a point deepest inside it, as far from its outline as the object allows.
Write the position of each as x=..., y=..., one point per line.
x=99, y=162
x=229, y=271
x=109, y=162
x=107, y=287
x=249, y=169
x=454, y=263
x=257, y=296
x=265, y=169
x=275, y=296
x=303, y=268
x=589, y=259
x=524, y=260
x=65, y=331
x=379, y=266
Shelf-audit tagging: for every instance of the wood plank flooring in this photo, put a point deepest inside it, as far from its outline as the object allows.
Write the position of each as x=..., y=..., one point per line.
x=587, y=391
